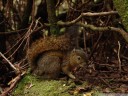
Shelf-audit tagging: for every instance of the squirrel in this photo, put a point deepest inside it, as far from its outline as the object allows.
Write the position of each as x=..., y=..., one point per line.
x=50, y=55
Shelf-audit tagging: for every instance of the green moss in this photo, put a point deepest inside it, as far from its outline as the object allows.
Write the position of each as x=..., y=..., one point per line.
x=31, y=86
x=122, y=8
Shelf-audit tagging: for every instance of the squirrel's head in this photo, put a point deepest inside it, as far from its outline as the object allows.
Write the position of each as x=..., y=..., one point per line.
x=79, y=57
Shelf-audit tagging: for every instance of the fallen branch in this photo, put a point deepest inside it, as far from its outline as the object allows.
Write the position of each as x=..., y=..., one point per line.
x=105, y=82
x=120, y=81
x=12, y=84
x=15, y=69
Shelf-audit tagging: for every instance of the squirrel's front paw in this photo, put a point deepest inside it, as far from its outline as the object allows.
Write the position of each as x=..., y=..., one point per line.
x=71, y=76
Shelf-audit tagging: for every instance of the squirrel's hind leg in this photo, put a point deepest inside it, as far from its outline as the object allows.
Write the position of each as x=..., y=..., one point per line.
x=48, y=67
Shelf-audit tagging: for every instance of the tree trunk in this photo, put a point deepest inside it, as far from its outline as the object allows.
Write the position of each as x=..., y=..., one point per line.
x=54, y=29
x=26, y=14
x=2, y=37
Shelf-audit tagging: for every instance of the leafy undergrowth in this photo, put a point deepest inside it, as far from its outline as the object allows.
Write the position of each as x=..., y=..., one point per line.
x=31, y=86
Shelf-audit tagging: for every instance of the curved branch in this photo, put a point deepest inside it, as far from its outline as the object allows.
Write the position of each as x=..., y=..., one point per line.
x=86, y=14
x=60, y=23
x=94, y=28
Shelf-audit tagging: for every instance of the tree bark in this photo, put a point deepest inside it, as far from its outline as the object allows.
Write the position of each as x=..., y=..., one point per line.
x=2, y=37
x=54, y=29
x=26, y=14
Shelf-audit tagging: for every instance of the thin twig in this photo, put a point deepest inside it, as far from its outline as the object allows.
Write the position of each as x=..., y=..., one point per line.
x=9, y=62
x=119, y=61
x=23, y=39
x=13, y=32
x=13, y=46
x=29, y=32
x=105, y=82
x=124, y=57
x=27, y=35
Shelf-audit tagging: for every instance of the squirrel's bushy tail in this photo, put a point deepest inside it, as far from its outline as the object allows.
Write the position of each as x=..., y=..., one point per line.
x=65, y=42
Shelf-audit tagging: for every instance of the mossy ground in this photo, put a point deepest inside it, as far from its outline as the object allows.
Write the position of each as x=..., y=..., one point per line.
x=32, y=86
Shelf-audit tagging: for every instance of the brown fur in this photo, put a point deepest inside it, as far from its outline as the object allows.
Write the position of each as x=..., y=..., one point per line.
x=48, y=56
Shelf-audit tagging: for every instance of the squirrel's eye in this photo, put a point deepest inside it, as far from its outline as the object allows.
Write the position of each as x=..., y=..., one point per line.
x=79, y=58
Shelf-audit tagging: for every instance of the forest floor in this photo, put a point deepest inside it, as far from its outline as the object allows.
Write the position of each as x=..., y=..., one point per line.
x=88, y=83
x=32, y=86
